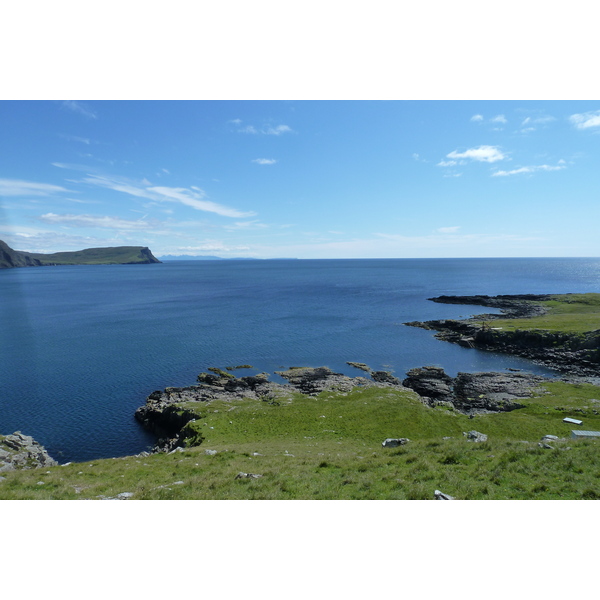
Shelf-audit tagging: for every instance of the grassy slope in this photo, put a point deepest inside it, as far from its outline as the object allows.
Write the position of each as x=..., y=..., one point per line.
x=329, y=447
x=94, y=256
x=568, y=313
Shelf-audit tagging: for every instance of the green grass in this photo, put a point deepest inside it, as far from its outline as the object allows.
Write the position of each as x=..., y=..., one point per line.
x=329, y=447
x=568, y=313
x=94, y=256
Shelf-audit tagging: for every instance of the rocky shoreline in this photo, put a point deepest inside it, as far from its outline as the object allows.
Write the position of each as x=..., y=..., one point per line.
x=18, y=451
x=576, y=357
x=572, y=354
x=468, y=393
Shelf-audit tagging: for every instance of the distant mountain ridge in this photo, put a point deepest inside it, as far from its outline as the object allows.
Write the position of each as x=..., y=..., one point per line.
x=203, y=257
x=119, y=255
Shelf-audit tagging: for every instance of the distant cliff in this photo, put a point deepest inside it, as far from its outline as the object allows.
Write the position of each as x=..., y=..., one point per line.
x=12, y=258
x=120, y=255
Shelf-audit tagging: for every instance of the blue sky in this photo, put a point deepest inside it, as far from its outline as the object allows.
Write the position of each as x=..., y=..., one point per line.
x=303, y=179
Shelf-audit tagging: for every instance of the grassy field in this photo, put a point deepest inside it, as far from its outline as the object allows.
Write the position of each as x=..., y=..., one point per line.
x=329, y=447
x=568, y=313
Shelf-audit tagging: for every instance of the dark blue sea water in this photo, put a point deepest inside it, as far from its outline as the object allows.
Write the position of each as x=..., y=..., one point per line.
x=82, y=347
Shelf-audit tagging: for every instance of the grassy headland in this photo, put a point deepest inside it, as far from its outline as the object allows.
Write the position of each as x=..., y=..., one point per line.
x=566, y=313
x=91, y=256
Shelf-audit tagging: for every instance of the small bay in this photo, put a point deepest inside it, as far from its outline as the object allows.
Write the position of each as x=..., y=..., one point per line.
x=82, y=346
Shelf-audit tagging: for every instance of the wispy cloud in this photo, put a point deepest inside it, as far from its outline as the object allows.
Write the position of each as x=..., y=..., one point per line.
x=264, y=130
x=18, y=187
x=446, y=163
x=75, y=138
x=94, y=221
x=80, y=108
x=499, y=119
x=530, y=169
x=477, y=118
x=448, y=229
x=586, y=120
x=194, y=200
x=264, y=161
x=488, y=154
x=246, y=225
x=193, y=197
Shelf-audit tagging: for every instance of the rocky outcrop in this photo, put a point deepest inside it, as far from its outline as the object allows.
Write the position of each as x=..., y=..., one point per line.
x=472, y=393
x=313, y=381
x=576, y=354
x=163, y=412
x=18, y=451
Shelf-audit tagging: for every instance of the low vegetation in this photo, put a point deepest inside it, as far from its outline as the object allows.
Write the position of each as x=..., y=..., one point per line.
x=567, y=313
x=329, y=447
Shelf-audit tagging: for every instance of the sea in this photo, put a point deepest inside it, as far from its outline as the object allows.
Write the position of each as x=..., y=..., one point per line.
x=81, y=347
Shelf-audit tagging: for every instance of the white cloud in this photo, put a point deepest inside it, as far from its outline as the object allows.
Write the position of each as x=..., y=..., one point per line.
x=499, y=119
x=80, y=108
x=481, y=154
x=193, y=197
x=586, y=120
x=265, y=130
x=18, y=187
x=264, y=161
x=75, y=138
x=277, y=130
x=477, y=118
x=194, y=200
x=255, y=224
x=530, y=169
x=448, y=229
x=446, y=163
x=95, y=221
x=119, y=184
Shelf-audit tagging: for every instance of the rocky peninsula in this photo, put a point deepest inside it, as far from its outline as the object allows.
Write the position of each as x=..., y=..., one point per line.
x=168, y=412
x=566, y=351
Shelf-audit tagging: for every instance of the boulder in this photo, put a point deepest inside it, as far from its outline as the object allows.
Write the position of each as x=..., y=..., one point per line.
x=475, y=436
x=441, y=496
x=385, y=377
x=394, y=442
x=430, y=382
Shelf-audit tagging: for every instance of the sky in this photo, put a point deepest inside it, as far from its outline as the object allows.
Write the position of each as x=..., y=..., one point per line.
x=302, y=179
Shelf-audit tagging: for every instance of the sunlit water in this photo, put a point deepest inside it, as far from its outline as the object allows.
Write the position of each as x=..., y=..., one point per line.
x=82, y=347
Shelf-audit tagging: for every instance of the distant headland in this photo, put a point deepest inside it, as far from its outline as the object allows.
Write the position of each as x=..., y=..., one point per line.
x=119, y=255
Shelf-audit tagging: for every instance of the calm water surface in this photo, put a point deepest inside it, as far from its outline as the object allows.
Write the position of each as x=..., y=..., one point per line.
x=82, y=347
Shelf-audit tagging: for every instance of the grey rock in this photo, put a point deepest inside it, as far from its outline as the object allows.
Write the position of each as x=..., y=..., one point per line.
x=210, y=452
x=430, y=382
x=124, y=495
x=441, y=496
x=394, y=442
x=475, y=436
x=243, y=475
x=19, y=451
x=385, y=377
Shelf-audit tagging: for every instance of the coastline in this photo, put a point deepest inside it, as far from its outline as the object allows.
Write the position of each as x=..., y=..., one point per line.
x=574, y=354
